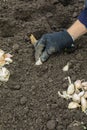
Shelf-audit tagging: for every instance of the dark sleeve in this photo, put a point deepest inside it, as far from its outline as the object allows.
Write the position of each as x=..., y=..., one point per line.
x=83, y=16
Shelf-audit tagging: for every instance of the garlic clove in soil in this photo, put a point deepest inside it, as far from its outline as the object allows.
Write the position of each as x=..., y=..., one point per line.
x=8, y=55
x=73, y=105
x=8, y=60
x=85, y=95
x=64, y=95
x=84, y=84
x=2, y=61
x=85, y=88
x=61, y=95
x=78, y=84
x=4, y=74
x=39, y=62
x=33, y=39
x=81, y=93
x=77, y=91
x=5, y=58
x=66, y=67
x=76, y=98
x=71, y=89
x=83, y=104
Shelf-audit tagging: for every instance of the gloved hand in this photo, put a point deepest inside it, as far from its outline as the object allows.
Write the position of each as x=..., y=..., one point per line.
x=51, y=43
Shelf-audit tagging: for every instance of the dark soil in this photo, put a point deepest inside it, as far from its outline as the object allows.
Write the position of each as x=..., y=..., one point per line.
x=29, y=100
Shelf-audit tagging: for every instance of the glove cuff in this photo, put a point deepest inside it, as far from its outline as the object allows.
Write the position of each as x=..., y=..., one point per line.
x=68, y=39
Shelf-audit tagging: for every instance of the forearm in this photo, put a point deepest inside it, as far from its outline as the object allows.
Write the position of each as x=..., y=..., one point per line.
x=77, y=30
x=80, y=26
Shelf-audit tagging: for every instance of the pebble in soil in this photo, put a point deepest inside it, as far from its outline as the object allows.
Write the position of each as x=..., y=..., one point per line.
x=51, y=124
x=23, y=100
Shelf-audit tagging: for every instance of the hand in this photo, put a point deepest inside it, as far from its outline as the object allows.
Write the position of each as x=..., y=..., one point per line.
x=51, y=43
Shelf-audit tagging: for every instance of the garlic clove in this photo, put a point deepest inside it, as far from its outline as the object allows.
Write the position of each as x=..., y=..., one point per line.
x=71, y=89
x=4, y=74
x=61, y=95
x=85, y=95
x=5, y=58
x=85, y=88
x=8, y=55
x=84, y=84
x=39, y=62
x=76, y=98
x=77, y=91
x=83, y=104
x=2, y=62
x=73, y=105
x=66, y=67
x=81, y=93
x=8, y=60
x=33, y=39
x=64, y=95
x=78, y=84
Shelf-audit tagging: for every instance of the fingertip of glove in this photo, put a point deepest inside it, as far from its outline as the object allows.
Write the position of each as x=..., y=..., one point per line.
x=44, y=57
x=38, y=62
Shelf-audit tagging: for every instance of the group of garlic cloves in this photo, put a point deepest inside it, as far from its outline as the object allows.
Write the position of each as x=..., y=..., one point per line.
x=4, y=59
x=76, y=91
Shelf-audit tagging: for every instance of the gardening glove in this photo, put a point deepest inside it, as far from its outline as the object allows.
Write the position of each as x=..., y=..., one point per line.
x=51, y=43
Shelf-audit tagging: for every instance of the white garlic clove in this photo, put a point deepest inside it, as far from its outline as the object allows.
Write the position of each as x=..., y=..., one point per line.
x=8, y=55
x=39, y=62
x=8, y=60
x=83, y=104
x=61, y=95
x=85, y=95
x=77, y=91
x=81, y=94
x=78, y=84
x=85, y=88
x=71, y=89
x=66, y=67
x=84, y=84
x=73, y=105
x=64, y=95
x=76, y=98
x=33, y=39
x=5, y=58
x=2, y=62
x=4, y=74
